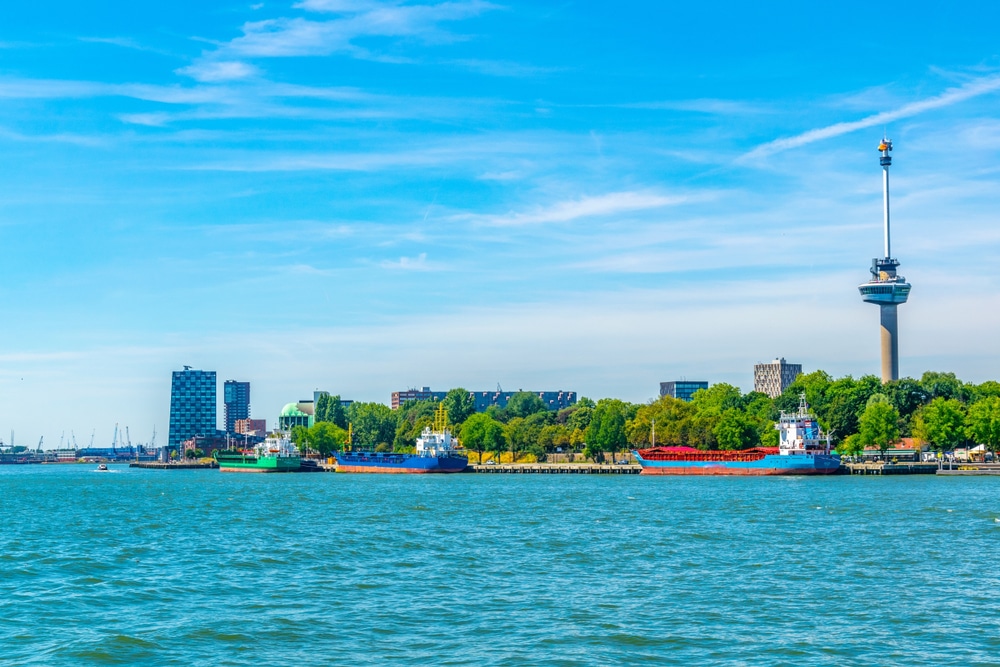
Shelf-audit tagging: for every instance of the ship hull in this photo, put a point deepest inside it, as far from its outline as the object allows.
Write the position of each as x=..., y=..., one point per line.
x=259, y=464
x=772, y=464
x=405, y=464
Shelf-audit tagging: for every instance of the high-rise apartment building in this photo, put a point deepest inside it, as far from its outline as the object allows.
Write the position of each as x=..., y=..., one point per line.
x=774, y=377
x=236, y=403
x=682, y=389
x=193, y=396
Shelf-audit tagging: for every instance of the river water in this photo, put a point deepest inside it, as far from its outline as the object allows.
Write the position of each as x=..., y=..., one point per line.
x=199, y=567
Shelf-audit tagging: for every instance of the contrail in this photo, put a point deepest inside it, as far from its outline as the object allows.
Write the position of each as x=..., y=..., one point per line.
x=950, y=96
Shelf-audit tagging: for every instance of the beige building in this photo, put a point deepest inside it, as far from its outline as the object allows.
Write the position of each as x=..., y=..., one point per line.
x=774, y=377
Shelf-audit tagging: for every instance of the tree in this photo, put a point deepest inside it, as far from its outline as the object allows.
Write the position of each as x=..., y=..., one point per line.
x=879, y=424
x=941, y=423
x=189, y=454
x=673, y=419
x=736, y=430
x=412, y=417
x=460, y=405
x=606, y=432
x=814, y=385
x=519, y=436
x=481, y=433
x=373, y=423
x=986, y=389
x=326, y=437
x=524, y=404
x=982, y=424
x=717, y=399
x=851, y=446
x=906, y=395
x=299, y=436
x=330, y=409
x=943, y=385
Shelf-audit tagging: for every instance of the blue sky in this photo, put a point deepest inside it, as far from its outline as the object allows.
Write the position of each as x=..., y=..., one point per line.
x=363, y=196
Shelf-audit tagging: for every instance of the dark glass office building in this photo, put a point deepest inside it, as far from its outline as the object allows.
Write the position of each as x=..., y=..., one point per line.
x=193, y=397
x=682, y=389
x=236, y=403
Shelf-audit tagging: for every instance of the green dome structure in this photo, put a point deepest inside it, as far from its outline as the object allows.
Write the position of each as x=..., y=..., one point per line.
x=292, y=410
x=291, y=416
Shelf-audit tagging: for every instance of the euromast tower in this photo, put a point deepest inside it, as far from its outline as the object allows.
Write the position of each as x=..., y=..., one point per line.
x=885, y=288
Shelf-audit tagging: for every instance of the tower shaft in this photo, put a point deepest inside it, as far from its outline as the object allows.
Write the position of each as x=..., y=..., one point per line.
x=890, y=343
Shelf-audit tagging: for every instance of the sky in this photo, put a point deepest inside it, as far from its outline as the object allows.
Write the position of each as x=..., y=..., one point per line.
x=363, y=196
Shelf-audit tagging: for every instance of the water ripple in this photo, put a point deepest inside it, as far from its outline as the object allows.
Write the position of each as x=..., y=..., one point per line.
x=202, y=568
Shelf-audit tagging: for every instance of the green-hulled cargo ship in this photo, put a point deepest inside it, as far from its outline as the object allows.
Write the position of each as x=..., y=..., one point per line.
x=273, y=455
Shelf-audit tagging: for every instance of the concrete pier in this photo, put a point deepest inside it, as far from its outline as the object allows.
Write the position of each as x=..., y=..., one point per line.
x=156, y=465
x=555, y=469
x=880, y=468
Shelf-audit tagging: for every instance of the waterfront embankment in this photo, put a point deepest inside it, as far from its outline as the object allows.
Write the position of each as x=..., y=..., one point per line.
x=156, y=465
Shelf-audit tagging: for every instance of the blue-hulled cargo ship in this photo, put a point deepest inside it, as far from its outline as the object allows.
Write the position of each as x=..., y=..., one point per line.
x=436, y=452
x=803, y=449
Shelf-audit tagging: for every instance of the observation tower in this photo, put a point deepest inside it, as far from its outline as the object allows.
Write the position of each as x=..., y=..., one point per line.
x=885, y=288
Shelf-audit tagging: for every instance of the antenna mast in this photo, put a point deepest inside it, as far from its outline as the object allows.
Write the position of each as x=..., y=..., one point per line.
x=885, y=160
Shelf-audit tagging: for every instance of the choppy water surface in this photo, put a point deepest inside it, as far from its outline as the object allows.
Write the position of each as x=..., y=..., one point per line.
x=204, y=568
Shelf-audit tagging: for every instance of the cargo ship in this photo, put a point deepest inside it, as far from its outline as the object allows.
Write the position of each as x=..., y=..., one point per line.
x=436, y=451
x=803, y=449
x=275, y=454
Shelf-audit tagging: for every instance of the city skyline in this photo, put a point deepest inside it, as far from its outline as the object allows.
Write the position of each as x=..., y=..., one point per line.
x=364, y=196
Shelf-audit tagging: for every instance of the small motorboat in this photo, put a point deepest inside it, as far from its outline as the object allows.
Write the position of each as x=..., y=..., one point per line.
x=103, y=467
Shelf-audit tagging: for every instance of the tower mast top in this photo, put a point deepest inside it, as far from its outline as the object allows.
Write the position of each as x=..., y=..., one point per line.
x=885, y=147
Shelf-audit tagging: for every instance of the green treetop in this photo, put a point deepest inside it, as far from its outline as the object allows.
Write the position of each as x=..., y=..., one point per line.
x=982, y=424
x=941, y=423
x=879, y=424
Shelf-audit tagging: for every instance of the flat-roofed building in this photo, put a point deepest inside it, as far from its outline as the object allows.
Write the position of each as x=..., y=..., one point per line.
x=682, y=389
x=193, y=400
x=554, y=400
x=774, y=377
x=251, y=426
x=235, y=402
x=412, y=394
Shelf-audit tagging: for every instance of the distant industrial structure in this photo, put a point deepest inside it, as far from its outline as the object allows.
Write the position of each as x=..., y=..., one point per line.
x=885, y=288
x=554, y=400
x=682, y=389
x=236, y=403
x=774, y=377
x=193, y=401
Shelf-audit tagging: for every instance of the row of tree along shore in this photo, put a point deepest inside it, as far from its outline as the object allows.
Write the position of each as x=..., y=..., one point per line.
x=940, y=411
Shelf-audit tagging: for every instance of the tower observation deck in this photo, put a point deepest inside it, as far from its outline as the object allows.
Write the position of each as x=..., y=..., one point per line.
x=886, y=288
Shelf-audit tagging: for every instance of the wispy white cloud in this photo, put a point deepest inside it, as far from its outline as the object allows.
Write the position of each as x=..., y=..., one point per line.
x=125, y=43
x=61, y=138
x=302, y=36
x=585, y=207
x=951, y=96
x=214, y=71
x=418, y=263
x=702, y=105
x=503, y=68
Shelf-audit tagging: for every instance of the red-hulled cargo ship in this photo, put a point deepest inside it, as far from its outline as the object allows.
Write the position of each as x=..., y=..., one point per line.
x=803, y=450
